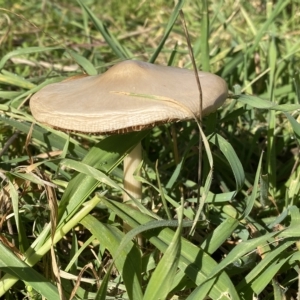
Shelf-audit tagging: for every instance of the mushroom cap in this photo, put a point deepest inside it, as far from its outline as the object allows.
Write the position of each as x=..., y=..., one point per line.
x=130, y=96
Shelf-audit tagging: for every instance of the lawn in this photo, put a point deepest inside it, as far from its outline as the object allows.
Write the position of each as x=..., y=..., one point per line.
x=218, y=217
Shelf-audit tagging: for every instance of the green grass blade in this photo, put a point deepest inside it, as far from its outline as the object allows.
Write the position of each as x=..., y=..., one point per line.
x=28, y=50
x=51, y=137
x=168, y=30
x=39, y=249
x=128, y=262
x=10, y=264
x=219, y=235
x=179, y=166
x=90, y=171
x=295, y=126
x=162, y=278
x=105, y=156
x=205, y=62
x=9, y=95
x=235, y=60
x=119, y=50
x=83, y=62
x=232, y=158
x=196, y=264
x=269, y=22
x=255, y=101
x=271, y=149
x=297, y=86
x=12, y=79
x=245, y=247
x=260, y=103
x=15, y=203
x=255, y=281
x=251, y=199
x=238, y=59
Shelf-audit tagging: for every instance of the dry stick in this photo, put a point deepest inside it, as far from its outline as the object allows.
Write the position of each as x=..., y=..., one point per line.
x=200, y=101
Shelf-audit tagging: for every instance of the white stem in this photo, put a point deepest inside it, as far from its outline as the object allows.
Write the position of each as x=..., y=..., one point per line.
x=131, y=163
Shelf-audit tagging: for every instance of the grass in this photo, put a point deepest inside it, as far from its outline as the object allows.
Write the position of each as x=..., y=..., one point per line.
x=246, y=241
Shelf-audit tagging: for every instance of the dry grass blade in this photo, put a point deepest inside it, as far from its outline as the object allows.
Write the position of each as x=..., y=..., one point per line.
x=191, y=53
x=51, y=196
x=76, y=286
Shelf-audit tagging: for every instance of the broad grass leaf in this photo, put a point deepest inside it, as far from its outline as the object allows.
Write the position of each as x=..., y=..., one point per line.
x=11, y=264
x=278, y=292
x=257, y=280
x=30, y=177
x=83, y=62
x=265, y=277
x=286, y=107
x=195, y=263
x=255, y=101
x=162, y=278
x=9, y=95
x=154, y=224
x=295, y=215
x=232, y=158
x=244, y=247
x=13, y=79
x=83, y=168
x=260, y=103
x=214, y=240
x=128, y=261
x=106, y=155
x=240, y=250
x=250, y=200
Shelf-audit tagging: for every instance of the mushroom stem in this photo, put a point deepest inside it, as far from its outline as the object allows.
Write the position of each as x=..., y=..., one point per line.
x=131, y=163
x=131, y=185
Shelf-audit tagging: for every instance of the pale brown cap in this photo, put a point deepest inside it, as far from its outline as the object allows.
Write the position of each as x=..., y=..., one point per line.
x=130, y=96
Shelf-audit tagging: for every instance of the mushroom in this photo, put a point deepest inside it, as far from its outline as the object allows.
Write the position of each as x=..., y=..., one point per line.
x=130, y=96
